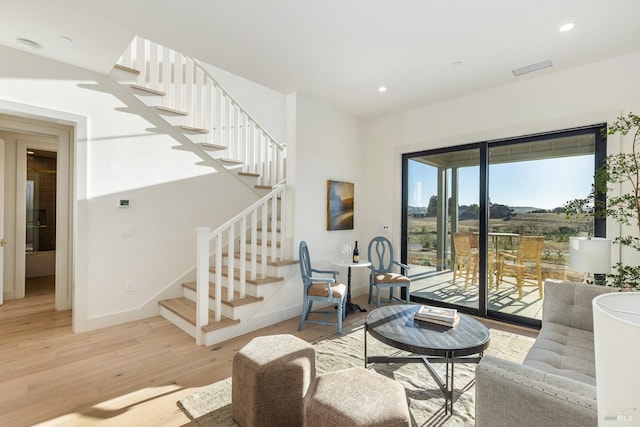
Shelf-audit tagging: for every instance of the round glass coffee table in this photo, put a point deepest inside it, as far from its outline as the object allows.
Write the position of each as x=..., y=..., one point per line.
x=395, y=326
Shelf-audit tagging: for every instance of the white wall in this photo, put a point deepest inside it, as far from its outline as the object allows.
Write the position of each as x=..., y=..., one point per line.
x=591, y=94
x=123, y=152
x=327, y=144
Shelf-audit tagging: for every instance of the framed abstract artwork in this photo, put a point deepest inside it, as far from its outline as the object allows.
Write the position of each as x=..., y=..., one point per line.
x=339, y=205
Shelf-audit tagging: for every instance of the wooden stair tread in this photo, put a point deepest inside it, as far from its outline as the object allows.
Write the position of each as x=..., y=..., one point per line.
x=127, y=69
x=212, y=147
x=186, y=128
x=237, y=301
x=263, y=187
x=251, y=174
x=232, y=161
x=170, y=110
x=148, y=90
x=186, y=309
x=259, y=280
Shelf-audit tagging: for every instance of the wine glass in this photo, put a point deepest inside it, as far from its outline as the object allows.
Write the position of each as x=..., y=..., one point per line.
x=345, y=250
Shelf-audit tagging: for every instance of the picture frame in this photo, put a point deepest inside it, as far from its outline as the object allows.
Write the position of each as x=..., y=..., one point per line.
x=340, y=205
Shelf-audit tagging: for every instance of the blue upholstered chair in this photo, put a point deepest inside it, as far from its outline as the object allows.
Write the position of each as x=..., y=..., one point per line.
x=321, y=289
x=380, y=254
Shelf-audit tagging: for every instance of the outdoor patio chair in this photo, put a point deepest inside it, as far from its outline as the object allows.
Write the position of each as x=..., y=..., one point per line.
x=465, y=261
x=466, y=258
x=321, y=289
x=525, y=264
x=380, y=253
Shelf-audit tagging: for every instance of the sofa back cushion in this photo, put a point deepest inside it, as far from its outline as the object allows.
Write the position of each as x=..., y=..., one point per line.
x=569, y=303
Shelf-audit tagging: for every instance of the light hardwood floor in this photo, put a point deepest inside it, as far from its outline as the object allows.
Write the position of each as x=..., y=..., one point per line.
x=126, y=375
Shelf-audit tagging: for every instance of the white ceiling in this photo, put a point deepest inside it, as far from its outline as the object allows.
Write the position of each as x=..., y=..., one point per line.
x=339, y=50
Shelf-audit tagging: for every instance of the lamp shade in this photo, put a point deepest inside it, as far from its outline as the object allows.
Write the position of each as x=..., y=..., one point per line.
x=590, y=255
x=616, y=333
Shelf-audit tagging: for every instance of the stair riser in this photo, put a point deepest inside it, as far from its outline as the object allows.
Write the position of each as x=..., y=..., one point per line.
x=272, y=270
x=269, y=234
x=227, y=311
x=250, y=325
x=266, y=290
x=268, y=250
x=178, y=321
x=263, y=290
x=251, y=289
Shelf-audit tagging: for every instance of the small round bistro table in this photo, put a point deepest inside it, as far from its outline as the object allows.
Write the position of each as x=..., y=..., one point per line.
x=362, y=263
x=394, y=325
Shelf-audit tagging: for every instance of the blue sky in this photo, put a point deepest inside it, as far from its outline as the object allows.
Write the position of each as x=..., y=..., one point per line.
x=544, y=184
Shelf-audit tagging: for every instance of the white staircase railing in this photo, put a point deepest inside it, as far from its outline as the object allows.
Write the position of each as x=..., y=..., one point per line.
x=190, y=89
x=270, y=212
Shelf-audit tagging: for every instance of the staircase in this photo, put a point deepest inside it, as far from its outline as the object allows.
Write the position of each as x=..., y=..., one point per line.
x=192, y=102
x=243, y=261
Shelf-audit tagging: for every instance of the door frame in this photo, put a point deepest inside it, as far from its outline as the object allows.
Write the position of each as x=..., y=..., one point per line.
x=64, y=207
x=62, y=289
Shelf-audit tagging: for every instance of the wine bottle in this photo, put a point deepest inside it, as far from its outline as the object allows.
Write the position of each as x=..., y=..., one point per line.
x=356, y=254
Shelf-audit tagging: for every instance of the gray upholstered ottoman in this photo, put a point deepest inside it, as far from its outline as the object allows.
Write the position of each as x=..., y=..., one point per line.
x=270, y=378
x=356, y=397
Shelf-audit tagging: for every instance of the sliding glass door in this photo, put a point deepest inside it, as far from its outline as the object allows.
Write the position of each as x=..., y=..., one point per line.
x=484, y=224
x=443, y=203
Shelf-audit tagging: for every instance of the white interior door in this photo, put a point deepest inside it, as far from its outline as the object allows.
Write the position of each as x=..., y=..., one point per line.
x=2, y=240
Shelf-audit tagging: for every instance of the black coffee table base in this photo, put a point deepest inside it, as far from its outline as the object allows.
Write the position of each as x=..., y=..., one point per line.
x=446, y=385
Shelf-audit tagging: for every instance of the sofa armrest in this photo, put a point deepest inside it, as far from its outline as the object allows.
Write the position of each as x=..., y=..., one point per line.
x=509, y=394
x=569, y=303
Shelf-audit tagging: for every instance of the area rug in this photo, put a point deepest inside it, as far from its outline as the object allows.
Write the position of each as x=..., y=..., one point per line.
x=211, y=405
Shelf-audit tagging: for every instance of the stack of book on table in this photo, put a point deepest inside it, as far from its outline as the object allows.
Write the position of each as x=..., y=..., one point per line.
x=438, y=315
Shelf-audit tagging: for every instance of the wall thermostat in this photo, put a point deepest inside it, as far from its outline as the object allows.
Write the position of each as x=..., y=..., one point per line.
x=124, y=203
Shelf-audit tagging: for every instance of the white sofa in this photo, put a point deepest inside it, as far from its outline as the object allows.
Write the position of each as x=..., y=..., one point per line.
x=555, y=385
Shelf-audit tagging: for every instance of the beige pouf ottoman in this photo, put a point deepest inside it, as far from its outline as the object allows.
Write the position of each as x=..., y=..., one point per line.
x=356, y=397
x=270, y=378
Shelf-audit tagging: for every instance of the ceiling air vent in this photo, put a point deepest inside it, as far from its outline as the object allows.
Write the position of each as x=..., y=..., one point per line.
x=531, y=68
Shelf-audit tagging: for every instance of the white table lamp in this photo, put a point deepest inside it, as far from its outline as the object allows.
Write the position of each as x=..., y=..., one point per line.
x=590, y=255
x=616, y=332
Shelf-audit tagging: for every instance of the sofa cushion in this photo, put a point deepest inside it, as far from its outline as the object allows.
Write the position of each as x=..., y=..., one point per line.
x=569, y=303
x=564, y=351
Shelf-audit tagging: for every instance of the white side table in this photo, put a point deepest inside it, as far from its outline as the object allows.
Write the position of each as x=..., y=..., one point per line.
x=363, y=263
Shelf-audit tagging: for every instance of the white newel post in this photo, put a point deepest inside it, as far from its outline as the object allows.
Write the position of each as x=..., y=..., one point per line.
x=283, y=222
x=202, y=281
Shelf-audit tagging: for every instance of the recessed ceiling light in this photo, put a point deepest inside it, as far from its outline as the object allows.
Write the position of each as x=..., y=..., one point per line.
x=382, y=89
x=567, y=27
x=27, y=44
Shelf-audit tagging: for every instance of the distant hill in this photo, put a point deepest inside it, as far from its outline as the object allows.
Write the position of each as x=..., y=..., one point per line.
x=422, y=211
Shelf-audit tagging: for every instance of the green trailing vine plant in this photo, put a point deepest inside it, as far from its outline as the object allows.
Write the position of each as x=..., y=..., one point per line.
x=621, y=169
